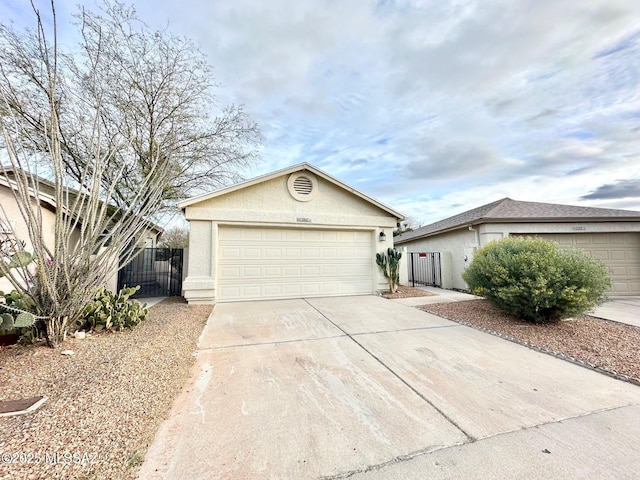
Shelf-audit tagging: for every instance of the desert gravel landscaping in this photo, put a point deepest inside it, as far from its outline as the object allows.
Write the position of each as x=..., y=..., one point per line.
x=611, y=347
x=407, y=292
x=105, y=402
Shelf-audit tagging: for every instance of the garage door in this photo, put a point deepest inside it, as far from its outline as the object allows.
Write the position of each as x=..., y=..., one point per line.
x=264, y=263
x=620, y=252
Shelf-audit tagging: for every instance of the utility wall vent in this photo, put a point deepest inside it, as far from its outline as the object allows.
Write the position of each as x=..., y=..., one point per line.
x=303, y=186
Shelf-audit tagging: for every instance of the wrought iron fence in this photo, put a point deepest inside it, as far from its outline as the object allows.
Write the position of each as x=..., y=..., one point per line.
x=158, y=271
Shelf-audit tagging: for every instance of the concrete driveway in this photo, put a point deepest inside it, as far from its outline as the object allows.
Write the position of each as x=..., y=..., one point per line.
x=620, y=309
x=363, y=387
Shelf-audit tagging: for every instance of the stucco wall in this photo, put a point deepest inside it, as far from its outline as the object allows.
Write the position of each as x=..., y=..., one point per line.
x=459, y=244
x=11, y=214
x=269, y=204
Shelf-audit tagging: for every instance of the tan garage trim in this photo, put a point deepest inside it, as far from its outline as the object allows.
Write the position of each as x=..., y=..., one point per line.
x=268, y=263
x=620, y=252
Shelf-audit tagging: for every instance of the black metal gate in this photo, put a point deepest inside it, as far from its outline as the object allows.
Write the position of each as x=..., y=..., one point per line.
x=158, y=271
x=425, y=269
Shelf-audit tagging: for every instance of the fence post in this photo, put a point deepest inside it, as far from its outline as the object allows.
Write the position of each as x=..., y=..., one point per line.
x=413, y=273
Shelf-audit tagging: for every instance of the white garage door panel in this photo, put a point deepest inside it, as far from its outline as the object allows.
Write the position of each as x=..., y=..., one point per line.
x=257, y=263
x=620, y=252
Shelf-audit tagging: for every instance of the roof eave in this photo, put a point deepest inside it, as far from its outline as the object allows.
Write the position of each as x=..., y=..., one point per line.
x=522, y=220
x=444, y=230
x=559, y=220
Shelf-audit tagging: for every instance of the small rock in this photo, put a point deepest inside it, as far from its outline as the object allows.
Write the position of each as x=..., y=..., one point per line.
x=66, y=352
x=80, y=335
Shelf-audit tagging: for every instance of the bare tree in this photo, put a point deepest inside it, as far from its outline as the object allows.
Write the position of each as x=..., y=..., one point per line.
x=408, y=225
x=148, y=91
x=175, y=237
x=91, y=235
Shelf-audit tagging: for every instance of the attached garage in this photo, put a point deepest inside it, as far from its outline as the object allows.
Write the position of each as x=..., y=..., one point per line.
x=294, y=233
x=261, y=263
x=620, y=252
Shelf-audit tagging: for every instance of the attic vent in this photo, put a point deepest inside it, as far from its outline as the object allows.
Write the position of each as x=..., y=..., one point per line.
x=303, y=186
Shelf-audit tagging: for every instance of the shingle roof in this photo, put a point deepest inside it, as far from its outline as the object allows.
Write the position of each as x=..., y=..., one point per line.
x=508, y=210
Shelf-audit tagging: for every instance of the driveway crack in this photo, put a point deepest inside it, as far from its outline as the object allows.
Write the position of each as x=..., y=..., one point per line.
x=470, y=437
x=380, y=466
x=257, y=344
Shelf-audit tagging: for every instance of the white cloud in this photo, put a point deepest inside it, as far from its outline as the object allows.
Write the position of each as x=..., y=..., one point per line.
x=431, y=106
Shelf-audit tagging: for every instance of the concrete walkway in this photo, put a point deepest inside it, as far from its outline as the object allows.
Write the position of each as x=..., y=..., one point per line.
x=362, y=387
x=151, y=301
x=440, y=295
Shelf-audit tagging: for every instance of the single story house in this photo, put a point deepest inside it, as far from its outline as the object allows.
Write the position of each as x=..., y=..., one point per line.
x=297, y=232
x=611, y=235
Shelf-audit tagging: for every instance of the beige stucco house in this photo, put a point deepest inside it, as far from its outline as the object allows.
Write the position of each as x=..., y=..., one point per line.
x=12, y=223
x=608, y=234
x=297, y=232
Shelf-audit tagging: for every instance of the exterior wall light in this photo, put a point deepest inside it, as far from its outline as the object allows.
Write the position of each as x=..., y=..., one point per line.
x=383, y=237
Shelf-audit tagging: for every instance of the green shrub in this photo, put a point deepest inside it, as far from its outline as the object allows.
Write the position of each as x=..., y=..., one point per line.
x=109, y=311
x=535, y=280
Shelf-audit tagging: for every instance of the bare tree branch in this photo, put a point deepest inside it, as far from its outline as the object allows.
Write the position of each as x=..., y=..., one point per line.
x=101, y=202
x=149, y=91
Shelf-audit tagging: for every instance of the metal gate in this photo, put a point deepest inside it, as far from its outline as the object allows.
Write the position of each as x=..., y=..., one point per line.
x=425, y=269
x=158, y=271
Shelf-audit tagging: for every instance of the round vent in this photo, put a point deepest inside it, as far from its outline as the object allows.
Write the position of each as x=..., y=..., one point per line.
x=303, y=186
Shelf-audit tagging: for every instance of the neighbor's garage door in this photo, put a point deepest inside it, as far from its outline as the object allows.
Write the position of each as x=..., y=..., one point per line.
x=263, y=263
x=620, y=252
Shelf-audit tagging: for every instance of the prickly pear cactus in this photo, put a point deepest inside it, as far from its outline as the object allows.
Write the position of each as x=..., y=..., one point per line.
x=114, y=312
x=17, y=260
x=16, y=313
x=7, y=321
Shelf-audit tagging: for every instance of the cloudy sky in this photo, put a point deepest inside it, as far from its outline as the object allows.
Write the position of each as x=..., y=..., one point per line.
x=433, y=107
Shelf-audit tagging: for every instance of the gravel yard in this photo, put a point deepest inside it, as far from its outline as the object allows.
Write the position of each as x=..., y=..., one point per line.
x=407, y=292
x=602, y=344
x=105, y=402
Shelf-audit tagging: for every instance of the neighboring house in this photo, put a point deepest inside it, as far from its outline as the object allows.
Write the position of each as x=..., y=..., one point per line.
x=13, y=224
x=610, y=235
x=294, y=233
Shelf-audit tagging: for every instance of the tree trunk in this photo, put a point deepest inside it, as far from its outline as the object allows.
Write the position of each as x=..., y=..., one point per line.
x=56, y=330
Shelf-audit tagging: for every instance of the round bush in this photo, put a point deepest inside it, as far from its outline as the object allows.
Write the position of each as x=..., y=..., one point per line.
x=535, y=280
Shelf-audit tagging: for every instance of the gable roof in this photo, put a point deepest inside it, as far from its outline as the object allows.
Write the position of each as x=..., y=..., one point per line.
x=508, y=210
x=287, y=171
